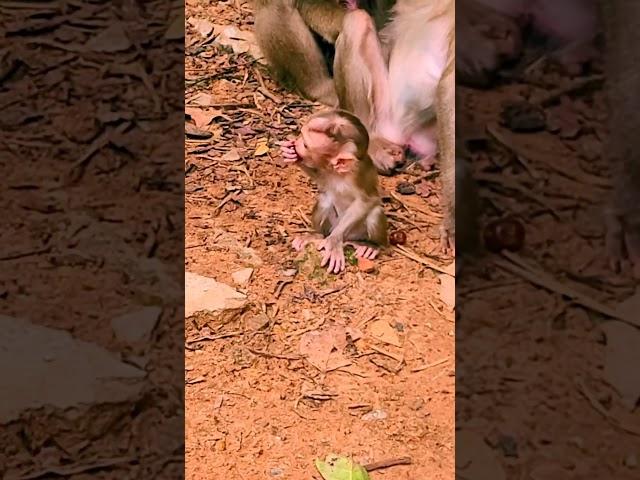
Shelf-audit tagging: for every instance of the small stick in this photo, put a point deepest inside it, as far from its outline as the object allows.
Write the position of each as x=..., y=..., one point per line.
x=280, y=356
x=430, y=365
x=395, y=357
x=538, y=277
x=280, y=287
x=417, y=258
x=392, y=462
x=203, y=338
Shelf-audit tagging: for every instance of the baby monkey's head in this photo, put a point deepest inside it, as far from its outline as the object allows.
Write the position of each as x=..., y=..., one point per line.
x=334, y=140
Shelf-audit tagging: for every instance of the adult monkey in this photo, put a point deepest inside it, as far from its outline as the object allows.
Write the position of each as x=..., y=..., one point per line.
x=294, y=36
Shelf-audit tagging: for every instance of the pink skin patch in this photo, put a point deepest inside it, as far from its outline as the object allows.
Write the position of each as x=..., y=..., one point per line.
x=424, y=144
x=351, y=4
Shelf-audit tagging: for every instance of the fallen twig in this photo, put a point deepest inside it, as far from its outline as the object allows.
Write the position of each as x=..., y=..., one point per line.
x=430, y=365
x=391, y=462
x=597, y=406
x=203, y=338
x=281, y=356
x=426, y=262
x=538, y=277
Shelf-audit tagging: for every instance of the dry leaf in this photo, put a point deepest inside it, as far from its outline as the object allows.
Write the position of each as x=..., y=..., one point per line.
x=200, y=117
x=231, y=156
x=202, y=99
x=113, y=39
x=475, y=459
x=323, y=349
x=382, y=331
x=202, y=26
x=448, y=290
x=261, y=148
x=621, y=360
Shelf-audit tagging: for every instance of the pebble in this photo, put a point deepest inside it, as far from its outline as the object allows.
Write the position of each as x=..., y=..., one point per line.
x=375, y=415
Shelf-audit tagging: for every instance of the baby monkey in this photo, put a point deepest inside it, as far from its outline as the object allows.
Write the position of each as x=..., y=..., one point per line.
x=332, y=150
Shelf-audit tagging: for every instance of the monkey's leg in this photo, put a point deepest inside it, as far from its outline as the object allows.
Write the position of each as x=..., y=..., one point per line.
x=623, y=149
x=323, y=217
x=292, y=52
x=371, y=235
x=445, y=108
x=361, y=79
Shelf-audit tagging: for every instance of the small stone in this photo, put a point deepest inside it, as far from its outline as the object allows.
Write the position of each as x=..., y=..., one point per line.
x=375, y=415
x=366, y=265
x=242, y=277
x=276, y=472
x=136, y=326
x=522, y=116
x=289, y=272
x=206, y=294
x=406, y=188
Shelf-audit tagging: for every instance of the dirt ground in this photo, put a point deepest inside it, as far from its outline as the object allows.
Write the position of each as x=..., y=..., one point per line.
x=534, y=369
x=254, y=407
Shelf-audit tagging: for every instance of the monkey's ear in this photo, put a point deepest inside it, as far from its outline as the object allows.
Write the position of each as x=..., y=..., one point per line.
x=343, y=162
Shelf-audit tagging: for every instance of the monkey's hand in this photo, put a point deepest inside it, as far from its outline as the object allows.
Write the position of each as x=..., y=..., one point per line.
x=623, y=237
x=288, y=150
x=333, y=256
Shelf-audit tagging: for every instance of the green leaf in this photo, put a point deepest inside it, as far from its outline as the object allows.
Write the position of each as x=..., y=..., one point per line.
x=335, y=467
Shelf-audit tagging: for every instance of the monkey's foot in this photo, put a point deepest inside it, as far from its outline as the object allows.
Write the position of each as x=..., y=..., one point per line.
x=623, y=241
x=386, y=155
x=333, y=256
x=364, y=250
x=301, y=241
x=447, y=242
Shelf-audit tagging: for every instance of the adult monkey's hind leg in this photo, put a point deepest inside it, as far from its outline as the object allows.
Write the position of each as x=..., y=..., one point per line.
x=361, y=79
x=291, y=51
x=445, y=108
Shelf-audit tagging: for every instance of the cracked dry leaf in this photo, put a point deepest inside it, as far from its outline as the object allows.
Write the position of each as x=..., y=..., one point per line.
x=323, y=349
